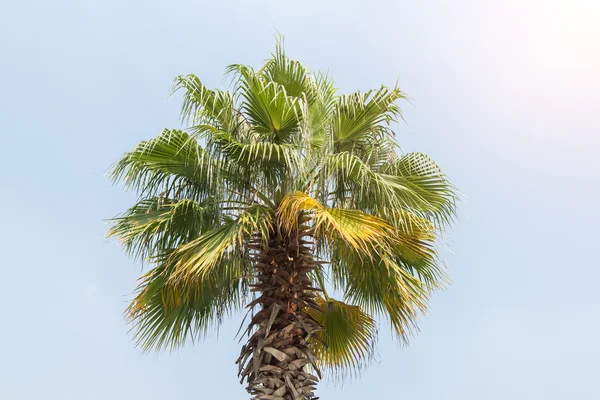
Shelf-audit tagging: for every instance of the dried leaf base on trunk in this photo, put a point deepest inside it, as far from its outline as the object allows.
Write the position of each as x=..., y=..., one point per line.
x=274, y=361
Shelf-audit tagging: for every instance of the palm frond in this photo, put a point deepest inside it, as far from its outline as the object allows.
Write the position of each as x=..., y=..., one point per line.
x=365, y=116
x=290, y=74
x=198, y=257
x=381, y=286
x=205, y=106
x=355, y=181
x=320, y=111
x=273, y=113
x=423, y=187
x=348, y=340
x=247, y=155
x=165, y=313
x=153, y=226
x=408, y=189
x=172, y=162
x=363, y=232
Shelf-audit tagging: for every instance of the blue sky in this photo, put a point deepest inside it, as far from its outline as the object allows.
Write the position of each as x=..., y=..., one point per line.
x=505, y=97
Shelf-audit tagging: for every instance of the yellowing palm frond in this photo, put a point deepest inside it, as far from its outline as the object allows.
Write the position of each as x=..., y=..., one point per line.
x=361, y=231
x=198, y=257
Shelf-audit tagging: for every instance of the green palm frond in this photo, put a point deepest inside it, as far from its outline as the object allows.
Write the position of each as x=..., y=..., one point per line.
x=382, y=287
x=205, y=106
x=155, y=224
x=423, y=187
x=396, y=283
x=410, y=185
x=290, y=74
x=172, y=162
x=355, y=183
x=272, y=112
x=365, y=117
x=348, y=340
x=320, y=112
x=165, y=313
x=261, y=154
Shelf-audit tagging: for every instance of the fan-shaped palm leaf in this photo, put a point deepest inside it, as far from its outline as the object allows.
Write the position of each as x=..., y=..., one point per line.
x=348, y=340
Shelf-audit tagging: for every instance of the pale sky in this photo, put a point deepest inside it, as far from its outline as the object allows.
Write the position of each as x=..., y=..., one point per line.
x=504, y=97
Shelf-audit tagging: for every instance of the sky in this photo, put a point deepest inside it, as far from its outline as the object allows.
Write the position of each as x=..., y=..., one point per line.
x=504, y=97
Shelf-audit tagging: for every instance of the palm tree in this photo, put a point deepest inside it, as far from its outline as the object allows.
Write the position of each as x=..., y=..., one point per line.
x=279, y=190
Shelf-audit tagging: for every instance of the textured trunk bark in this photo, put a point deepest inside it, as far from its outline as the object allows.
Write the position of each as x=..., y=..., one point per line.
x=274, y=361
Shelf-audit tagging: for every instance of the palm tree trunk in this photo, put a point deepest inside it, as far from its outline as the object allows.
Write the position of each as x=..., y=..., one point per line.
x=274, y=361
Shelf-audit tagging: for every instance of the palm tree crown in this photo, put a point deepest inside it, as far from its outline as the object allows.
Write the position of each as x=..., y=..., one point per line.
x=279, y=190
